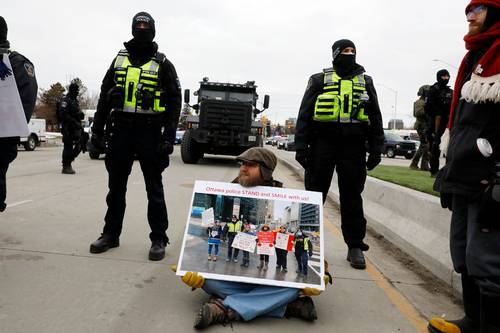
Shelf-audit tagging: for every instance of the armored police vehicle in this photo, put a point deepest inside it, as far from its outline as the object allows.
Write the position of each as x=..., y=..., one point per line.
x=224, y=123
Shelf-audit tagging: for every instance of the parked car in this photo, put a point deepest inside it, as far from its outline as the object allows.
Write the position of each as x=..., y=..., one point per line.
x=37, y=134
x=395, y=145
x=290, y=144
x=178, y=137
x=269, y=141
x=281, y=143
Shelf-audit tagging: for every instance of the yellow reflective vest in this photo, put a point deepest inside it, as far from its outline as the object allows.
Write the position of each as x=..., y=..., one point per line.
x=137, y=80
x=342, y=100
x=234, y=226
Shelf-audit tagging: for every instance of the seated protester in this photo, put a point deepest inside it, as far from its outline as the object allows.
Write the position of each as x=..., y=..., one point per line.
x=214, y=233
x=303, y=250
x=232, y=301
x=247, y=229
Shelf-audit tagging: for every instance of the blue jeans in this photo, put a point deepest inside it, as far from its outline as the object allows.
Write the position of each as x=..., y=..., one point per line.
x=216, y=250
x=252, y=300
x=302, y=259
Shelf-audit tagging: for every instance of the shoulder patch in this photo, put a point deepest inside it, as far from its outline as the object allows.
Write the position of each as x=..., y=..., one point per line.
x=64, y=104
x=178, y=83
x=30, y=70
x=309, y=83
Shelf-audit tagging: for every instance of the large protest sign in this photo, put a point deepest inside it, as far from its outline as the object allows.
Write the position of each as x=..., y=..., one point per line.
x=265, y=243
x=245, y=242
x=207, y=217
x=284, y=241
x=277, y=207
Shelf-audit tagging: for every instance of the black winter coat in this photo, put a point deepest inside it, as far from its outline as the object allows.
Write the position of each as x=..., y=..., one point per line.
x=467, y=171
x=169, y=83
x=307, y=129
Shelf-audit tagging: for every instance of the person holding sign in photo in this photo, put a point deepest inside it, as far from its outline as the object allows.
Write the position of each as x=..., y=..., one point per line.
x=214, y=232
x=231, y=301
x=265, y=239
x=247, y=229
x=303, y=250
x=233, y=227
x=281, y=254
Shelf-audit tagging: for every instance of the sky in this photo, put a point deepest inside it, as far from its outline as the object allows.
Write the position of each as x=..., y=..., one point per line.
x=277, y=43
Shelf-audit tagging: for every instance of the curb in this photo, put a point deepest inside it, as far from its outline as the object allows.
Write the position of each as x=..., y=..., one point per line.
x=411, y=220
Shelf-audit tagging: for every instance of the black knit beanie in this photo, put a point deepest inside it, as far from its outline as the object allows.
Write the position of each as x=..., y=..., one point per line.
x=339, y=45
x=143, y=17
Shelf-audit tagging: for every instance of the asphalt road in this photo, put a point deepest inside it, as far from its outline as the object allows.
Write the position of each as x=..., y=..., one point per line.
x=49, y=282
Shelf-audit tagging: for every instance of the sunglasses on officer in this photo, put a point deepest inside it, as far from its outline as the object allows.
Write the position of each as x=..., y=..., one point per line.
x=474, y=10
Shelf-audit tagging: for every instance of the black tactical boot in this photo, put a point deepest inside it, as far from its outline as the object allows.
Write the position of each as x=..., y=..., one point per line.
x=68, y=170
x=303, y=308
x=157, y=251
x=214, y=312
x=490, y=320
x=356, y=258
x=104, y=243
x=3, y=205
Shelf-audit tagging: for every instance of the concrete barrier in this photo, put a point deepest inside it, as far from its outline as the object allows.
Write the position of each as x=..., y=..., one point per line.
x=413, y=221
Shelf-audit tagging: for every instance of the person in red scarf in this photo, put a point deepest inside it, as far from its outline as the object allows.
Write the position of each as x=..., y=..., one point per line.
x=469, y=183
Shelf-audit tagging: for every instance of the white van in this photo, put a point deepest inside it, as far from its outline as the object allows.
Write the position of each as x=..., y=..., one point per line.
x=37, y=134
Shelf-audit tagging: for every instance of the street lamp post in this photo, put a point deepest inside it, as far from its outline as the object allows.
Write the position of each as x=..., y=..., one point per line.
x=395, y=102
x=446, y=63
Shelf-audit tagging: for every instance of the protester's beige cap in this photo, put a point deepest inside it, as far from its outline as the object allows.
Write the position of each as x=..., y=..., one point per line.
x=265, y=158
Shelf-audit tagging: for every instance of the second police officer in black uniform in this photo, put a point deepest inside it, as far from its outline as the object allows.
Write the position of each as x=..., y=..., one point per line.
x=139, y=106
x=437, y=109
x=338, y=115
x=70, y=117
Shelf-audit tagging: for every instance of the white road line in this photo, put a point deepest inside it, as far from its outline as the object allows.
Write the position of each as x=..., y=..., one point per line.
x=315, y=271
x=18, y=203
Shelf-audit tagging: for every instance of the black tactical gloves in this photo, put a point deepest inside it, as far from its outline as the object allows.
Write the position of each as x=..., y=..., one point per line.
x=303, y=157
x=165, y=148
x=373, y=160
x=98, y=141
x=4, y=70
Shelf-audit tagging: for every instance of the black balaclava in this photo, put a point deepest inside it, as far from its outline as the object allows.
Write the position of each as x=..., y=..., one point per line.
x=3, y=32
x=441, y=82
x=343, y=64
x=73, y=90
x=143, y=35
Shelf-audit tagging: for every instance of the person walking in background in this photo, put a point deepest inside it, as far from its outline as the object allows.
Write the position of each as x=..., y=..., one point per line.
x=421, y=125
x=437, y=108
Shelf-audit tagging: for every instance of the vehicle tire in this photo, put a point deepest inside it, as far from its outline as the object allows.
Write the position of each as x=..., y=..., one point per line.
x=390, y=153
x=409, y=156
x=190, y=152
x=30, y=144
x=94, y=155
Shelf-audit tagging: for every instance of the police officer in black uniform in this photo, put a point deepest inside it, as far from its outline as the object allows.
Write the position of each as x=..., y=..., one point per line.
x=70, y=117
x=139, y=107
x=437, y=109
x=24, y=74
x=339, y=118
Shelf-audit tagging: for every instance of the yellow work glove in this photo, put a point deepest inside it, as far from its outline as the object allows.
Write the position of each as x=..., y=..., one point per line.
x=316, y=292
x=192, y=279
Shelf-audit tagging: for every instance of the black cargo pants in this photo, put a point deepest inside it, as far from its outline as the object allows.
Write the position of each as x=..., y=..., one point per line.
x=8, y=153
x=72, y=146
x=133, y=139
x=349, y=157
